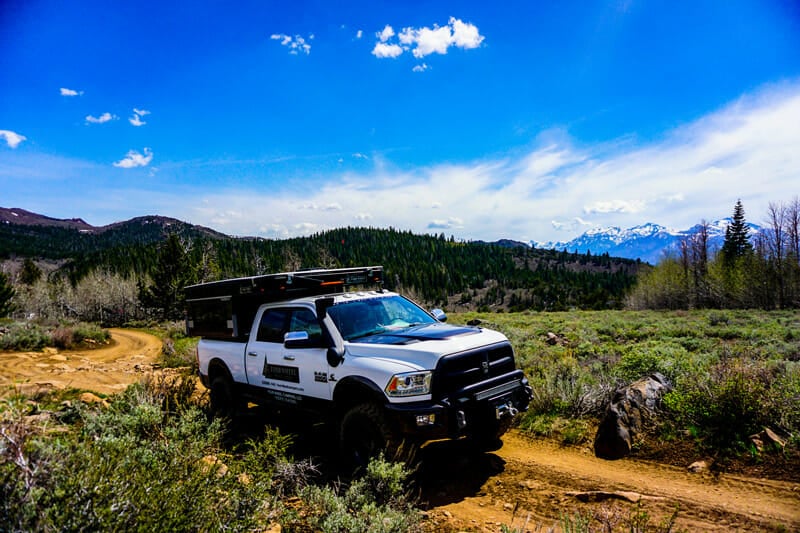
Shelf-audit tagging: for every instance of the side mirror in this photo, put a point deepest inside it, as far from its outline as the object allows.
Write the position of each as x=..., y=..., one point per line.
x=296, y=339
x=439, y=315
x=334, y=359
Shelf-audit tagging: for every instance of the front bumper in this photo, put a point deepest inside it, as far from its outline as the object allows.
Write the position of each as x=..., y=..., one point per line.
x=478, y=410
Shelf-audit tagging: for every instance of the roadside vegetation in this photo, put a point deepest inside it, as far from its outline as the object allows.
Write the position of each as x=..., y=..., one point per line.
x=733, y=373
x=37, y=335
x=153, y=460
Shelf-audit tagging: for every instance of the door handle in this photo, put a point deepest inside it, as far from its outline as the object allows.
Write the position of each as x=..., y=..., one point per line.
x=289, y=357
x=253, y=354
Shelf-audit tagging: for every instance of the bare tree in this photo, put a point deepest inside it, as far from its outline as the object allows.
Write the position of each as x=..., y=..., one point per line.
x=776, y=243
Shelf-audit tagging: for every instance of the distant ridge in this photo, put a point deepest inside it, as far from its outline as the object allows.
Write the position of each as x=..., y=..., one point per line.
x=23, y=217
x=26, y=218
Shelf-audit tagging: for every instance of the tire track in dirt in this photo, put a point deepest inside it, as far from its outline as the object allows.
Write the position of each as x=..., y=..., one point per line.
x=106, y=370
x=529, y=484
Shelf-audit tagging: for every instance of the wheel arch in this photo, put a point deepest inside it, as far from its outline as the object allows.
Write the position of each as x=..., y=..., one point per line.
x=354, y=390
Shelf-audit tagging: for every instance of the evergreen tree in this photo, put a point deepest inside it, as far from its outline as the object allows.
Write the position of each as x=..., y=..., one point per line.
x=737, y=241
x=173, y=271
x=30, y=273
x=6, y=295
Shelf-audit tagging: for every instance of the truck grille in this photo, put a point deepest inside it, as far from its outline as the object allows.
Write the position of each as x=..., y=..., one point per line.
x=456, y=371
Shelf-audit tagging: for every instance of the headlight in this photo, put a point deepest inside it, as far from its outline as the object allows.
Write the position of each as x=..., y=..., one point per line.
x=409, y=384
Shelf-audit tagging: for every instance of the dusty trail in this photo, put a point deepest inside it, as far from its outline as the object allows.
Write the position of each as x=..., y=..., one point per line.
x=106, y=370
x=535, y=482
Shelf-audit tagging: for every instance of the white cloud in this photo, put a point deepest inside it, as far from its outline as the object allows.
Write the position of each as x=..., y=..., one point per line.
x=387, y=50
x=385, y=34
x=69, y=92
x=105, y=117
x=450, y=223
x=359, y=34
x=296, y=44
x=134, y=159
x=136, y=119
x=420, y=68
x=12, y=139
x=425, y=41
x=465, y=35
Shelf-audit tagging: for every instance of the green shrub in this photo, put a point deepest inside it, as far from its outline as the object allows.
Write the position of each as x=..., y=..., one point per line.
x=21, y=336
x=377, y=502
x=736, y=398
x=132, y=466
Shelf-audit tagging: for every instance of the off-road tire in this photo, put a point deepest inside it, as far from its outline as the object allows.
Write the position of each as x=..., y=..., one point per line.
x=222, y=398
x=363, y=434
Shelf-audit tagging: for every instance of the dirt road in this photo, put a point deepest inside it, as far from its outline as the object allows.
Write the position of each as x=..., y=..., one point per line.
x=532, y=484
x=107, y=370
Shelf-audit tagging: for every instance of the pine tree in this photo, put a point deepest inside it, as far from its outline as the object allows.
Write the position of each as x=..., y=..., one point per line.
x=737, y=241
x=7, y=294
x=172, y=273
x=30, y=273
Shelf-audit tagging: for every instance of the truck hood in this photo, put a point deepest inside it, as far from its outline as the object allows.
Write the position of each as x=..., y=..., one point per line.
x=421, y=347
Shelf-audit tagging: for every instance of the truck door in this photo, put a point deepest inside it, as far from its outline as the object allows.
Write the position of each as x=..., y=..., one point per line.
x=288, y=375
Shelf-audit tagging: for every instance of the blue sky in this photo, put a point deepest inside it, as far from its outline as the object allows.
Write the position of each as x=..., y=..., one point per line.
x=527, y=120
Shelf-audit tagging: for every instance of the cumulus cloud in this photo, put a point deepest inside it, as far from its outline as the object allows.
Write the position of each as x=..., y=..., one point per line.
x=134, y=159
x=384, y=50
x=420, y=68
x=13, y=139
x=69, y=92
x=385, y=34
x=425, y=41
x=296, y=44
x=136, y=119
x=105, y=117
x=359, y=34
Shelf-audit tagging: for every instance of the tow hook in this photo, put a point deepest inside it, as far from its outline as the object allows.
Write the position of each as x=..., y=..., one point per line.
x=461, y=419
x=506, y=410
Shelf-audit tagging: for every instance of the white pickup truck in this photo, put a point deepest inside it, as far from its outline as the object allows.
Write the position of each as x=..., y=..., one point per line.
x=374, y=362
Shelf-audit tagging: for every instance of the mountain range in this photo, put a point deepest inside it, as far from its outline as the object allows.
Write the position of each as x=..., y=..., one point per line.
x=648, y=242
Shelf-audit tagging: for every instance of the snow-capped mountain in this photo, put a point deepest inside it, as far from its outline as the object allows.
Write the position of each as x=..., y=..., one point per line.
x=648, y=242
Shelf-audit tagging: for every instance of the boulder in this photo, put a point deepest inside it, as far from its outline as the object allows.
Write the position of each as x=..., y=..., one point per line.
x=630, y=408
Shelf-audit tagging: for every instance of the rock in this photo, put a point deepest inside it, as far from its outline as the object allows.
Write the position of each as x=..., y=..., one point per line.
x=88, y=397
x=630, y=407
x=699, y=466
x=767, y=437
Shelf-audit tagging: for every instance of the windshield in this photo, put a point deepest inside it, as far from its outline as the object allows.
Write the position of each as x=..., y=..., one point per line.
x=361, y=318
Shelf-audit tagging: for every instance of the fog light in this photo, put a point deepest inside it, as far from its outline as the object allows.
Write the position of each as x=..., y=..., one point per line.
x=426, y=420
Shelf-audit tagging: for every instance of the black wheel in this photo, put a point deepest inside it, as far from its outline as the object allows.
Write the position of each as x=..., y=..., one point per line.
x=364, y=434
x=224, y=403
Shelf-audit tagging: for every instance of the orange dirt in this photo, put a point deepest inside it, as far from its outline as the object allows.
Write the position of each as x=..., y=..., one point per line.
x=106, y=370
x=531, y=485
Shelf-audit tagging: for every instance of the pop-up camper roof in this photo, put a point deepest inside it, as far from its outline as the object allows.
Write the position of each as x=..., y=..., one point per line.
x=225, y=309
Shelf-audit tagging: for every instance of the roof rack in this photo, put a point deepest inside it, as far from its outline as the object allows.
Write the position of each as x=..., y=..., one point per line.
x=225, y=309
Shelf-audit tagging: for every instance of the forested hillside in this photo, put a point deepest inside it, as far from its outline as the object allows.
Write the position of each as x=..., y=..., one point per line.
x=434, y=269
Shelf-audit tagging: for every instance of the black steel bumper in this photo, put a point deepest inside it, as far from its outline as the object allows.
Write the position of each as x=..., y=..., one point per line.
x=477, y=410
